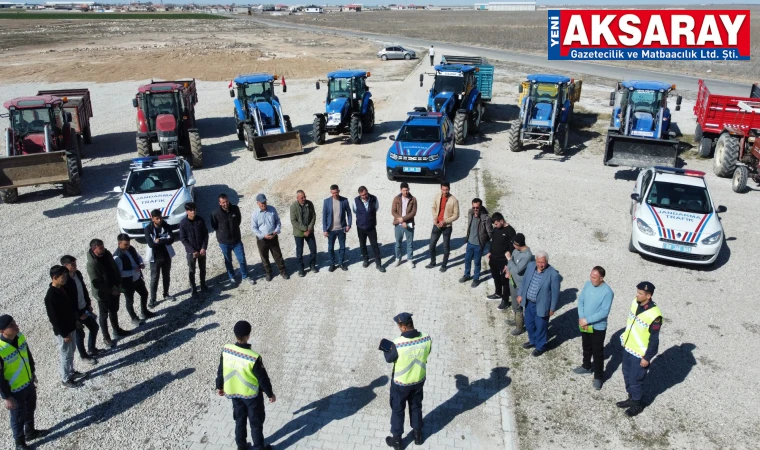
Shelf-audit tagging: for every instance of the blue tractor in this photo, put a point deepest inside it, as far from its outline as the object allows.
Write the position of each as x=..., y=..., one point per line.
x=640, y=133
x=456, y=94
x=258, y=117
x=348, y=108
x=546, y=106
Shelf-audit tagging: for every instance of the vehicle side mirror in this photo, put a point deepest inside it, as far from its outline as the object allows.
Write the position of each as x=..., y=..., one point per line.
x=68, y=117
x=232, y=93
x=284, y=88
x=191, y=182
x=635, y=197
x=134, y=102
x=612, y=99
x=392, y=137
x=520, y=89
x=721, y=209
x=117, y=189
x=317, y=85
x=422, y=78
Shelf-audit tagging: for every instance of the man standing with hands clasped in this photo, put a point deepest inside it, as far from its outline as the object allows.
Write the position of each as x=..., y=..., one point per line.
x=266, y=225
x=501, y=248
x=159, y=236
x=540, y=292
x=445, y=213
x=403, y=209
x=365, y=208
x=194, y=237
x=641, y=340
x=62, y=312
x=594, y=303
x=302, y=218
x=336, y=222
x=241, y=377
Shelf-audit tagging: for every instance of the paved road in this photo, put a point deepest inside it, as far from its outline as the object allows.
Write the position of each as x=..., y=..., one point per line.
x=684, y=82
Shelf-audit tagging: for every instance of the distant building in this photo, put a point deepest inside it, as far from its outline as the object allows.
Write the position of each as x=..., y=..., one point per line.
x=353, y=8
x=506, y=6
x=416, y=7
x=314, y=9
x=398, y=7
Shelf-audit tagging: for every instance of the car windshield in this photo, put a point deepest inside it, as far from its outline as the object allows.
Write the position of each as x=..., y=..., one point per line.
x=447, y=83
x=543, y=92
x=419, y=134
x=153, y=180
x=164, y=103
x=339, y=87
x=259, y=91
x=25, y=121
x=680, y=197
x=644, y=100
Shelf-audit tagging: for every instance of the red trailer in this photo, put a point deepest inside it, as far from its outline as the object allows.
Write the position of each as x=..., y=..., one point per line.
x=77, y=102
x=730, y=126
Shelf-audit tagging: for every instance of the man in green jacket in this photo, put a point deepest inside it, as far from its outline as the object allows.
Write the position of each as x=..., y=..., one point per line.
x=303, y=217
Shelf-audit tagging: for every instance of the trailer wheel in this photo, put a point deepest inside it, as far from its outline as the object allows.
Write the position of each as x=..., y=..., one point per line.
x=705, y=147
x=74, y=186
x=460, y=126
x=726, y=155
x=288, y=123
x=196, y=149
x=369, y=122
x=9, y=195
x=249, y=135
x=88, y=135
x=144, y=147
x=318, y=130
x=513, y=137
x=698, y=134
x=356, y=129
x=739, y=183
x=80, y=152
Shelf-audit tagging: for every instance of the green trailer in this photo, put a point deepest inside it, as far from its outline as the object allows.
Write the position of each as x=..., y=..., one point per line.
x=483, y=76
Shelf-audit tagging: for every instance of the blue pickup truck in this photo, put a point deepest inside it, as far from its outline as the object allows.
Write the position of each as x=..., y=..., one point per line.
x=423, y=147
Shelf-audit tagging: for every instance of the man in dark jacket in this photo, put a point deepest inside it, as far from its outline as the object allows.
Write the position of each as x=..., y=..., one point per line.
x=62, y=312
x=479, y=231
x=242, y=377
x=159, y=236
x=17, y=383
x=226, y=222
x=503, y=233
x=106, y=288
x=131, y=265
x=403, y=210
x=76, y=289
x=194, y=236
x=302, y=218
x=365, y=208
x=336, y=222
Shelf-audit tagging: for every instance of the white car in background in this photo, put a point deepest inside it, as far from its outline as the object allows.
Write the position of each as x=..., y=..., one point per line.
x=158, y=182
x=673, y=217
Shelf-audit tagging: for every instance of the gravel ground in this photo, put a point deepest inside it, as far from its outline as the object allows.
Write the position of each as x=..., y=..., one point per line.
x=147, y=391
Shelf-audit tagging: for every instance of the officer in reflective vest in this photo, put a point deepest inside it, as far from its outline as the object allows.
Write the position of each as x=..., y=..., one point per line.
x=17, y=384
x=409, y=356
x=640, y=341
x=242, y=377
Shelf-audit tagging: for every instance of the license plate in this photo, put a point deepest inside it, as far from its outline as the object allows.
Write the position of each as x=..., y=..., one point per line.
x=412, y=169
x=678, y=248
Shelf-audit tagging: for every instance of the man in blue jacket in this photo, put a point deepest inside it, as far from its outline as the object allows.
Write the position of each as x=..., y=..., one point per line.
x=540, y=292
x=336, y=222
x=594, y=303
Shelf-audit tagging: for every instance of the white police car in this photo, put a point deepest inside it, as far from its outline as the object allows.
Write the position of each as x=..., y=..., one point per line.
x=158, y=182
x=674, y=218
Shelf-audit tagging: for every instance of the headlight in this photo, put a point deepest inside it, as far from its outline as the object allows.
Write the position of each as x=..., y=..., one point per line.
x=713, y=238
x=179, y=209
x=125, y=215
x=334, y=116
x=167, y=138
x=393, y=156
x=434, y=157
x=644, y=228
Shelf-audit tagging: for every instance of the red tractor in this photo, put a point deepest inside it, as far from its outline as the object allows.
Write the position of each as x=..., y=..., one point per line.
x=729, y=127
x=166, y=115
x=41, y=147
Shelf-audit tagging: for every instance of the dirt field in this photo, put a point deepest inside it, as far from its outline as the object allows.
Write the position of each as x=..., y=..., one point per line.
x=522, y=32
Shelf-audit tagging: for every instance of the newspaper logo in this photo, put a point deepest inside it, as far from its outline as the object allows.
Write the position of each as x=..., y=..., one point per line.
x=649, y=35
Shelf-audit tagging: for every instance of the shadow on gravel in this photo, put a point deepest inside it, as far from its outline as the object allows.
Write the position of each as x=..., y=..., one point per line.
x=98, y=182
x=220, y=154
x=469, y=396
x=497, y=120
x=216, y=127
x=614, y=352
x=669, y=369
x=562, y=328
x=112, y=144
x=116, y=405
x=627, y=174
x=334, y=407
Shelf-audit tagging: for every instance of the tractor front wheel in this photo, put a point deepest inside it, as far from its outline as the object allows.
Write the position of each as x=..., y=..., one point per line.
x=460, y=126
x=318, y=130
x=739, y=183
x=513, y=137
x=369, y=118
x=196, y=149
x=726, y=155
x=74, y=186
x=356, y=129
x=249, y=136
x=705, y=147
x=288, y=123
x=9, y=195
x=144, y=147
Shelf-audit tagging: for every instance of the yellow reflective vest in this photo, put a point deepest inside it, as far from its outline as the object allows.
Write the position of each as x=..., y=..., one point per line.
x=237, y=370
x=411, y=365
x=635, y=338
x=16, y=368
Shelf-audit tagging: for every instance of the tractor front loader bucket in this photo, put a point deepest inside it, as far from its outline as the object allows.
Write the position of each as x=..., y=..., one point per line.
x=30, y=170
x=632, y=151
x=274, y=145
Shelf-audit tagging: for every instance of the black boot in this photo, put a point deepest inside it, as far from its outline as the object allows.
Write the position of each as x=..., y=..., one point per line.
x=32, y=433
x=393, y=441
x=193, y=291
x=503, y=305
x=635, y=409
x=379, y=266
x=204, y=288
x=365, y=264
x=417, y=437
x=133, y=315
x=21, y=444
x=625, y=403
x=313, y=268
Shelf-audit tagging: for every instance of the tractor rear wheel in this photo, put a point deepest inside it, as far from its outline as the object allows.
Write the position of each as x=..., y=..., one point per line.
x=88, y=135
x=739, y=183
x=80, y=152
x=460, y=126
x=705, y=147
x=9, y=195
x=238, y=126
x=356, y=129
x=369, y=118
x=318, y=130
x=74, y=186
x=513, y=137
x=248, y=134
x=726, y=155
x=144, y=147
x=196, y=149
x=288, y=123
x=698, y=134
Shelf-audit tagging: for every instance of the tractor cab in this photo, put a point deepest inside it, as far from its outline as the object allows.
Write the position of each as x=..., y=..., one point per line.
x=255, y=92
x=36, y=124
x=452, y=86
x=348, y=106
x=156, y=100
x=641, y=108
x=546, y=99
